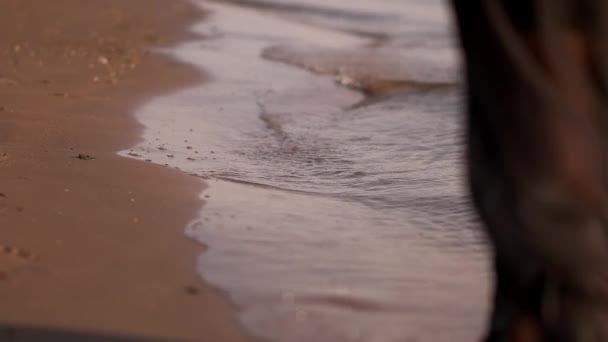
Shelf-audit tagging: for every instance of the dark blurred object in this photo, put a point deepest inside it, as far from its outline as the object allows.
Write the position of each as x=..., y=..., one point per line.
x=17, y=333
x=537, y=127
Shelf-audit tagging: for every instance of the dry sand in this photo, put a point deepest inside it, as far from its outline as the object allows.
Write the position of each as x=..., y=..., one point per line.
x=94, y=246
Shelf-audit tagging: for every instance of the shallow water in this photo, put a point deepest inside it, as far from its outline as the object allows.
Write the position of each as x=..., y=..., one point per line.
x=329, y=133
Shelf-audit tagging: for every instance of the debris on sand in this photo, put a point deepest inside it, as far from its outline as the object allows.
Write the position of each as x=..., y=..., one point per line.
x=82, y=156
x=16, y=251
x=103, y=60
x=7, y=81
x=191, y=290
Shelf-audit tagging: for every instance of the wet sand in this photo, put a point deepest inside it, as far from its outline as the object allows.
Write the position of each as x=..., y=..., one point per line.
x=94, y=246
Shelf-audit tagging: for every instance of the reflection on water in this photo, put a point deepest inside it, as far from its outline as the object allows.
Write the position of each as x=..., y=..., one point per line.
x=330, y=216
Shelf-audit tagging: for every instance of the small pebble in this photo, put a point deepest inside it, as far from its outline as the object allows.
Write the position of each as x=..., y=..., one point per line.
x=191, y=290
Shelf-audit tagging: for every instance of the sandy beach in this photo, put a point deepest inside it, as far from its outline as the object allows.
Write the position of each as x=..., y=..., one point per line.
x=227, y=170
x=92, y=244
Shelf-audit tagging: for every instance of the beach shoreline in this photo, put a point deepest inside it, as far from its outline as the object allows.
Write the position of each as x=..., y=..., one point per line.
x=91, y=241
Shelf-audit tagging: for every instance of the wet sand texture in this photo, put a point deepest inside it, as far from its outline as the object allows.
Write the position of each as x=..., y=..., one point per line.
x=92, y=242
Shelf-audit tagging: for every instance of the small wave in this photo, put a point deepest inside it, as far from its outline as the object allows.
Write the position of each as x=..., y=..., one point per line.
x=308, y=9
x=368, y=70
x=348, y=302
x=267, y=186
